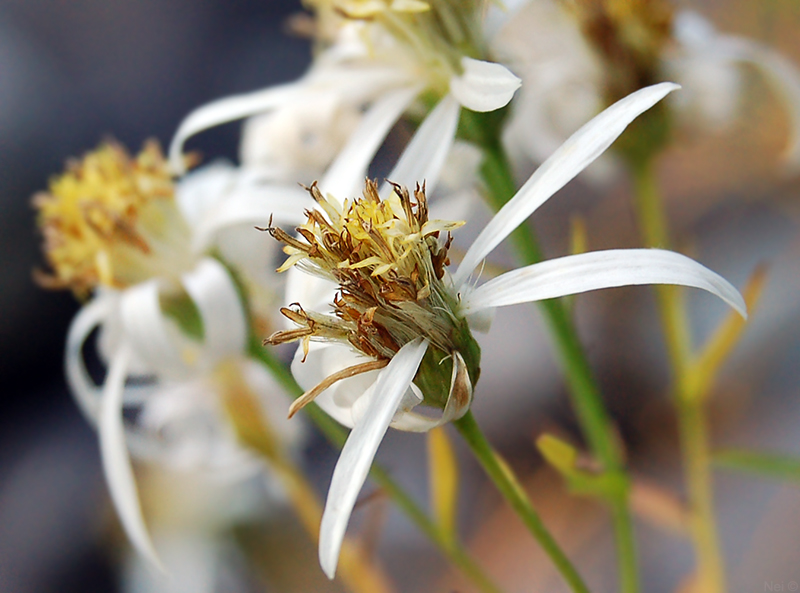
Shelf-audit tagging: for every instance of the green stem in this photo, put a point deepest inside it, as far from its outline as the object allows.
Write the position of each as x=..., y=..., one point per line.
x=337, y=435
x=587, y=401
x=505, y=481
x=652, y=223
x=586, y=398
x=690, y=405
x=622, y=522
x=693, y=426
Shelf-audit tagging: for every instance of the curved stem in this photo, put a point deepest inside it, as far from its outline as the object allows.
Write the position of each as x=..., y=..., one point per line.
x=337, y=435
x=505, y=481
x=690, y=404
x=596, y=424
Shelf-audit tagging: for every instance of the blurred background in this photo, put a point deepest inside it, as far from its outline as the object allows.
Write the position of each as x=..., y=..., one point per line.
x=74, y=73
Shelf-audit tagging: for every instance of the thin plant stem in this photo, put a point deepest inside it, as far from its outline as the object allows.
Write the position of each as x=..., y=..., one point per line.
x=337, y=435
x=690, y=405
x=586, y=399
x=508, y=485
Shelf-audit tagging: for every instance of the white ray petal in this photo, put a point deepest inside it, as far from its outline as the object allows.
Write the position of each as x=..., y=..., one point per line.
x=201, y=190
x=83, y=388
x=324, y=359
x=116, y=462
x=484, y=86
x=359, y=450
x=574, y=274
x=423, y=158
x=315, y=293
x=224, y=111
x=255, y=205
x=147, y=332
x=345, y=176
x=583, y=147
x=216, y=298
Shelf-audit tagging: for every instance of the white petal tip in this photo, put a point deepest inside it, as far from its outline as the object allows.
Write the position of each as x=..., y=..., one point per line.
x=484, y=86
x=329, y=569
x=740, y=307
x=665, y=88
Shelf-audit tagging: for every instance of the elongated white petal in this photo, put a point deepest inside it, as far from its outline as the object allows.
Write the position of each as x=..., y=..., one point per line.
x=423, y=158
x=224, y=111
x=116, y=463
x=83, y=388
x=216, y=298
x=346, y=174
x=313, y=292
x=359, y=450
x=254, y=205
x=599, y=269
x=583, y=147
x=324, y=359
x=147, y=331
x=484, y=86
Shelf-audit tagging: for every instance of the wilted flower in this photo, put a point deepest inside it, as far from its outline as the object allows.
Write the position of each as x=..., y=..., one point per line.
x=400, y=331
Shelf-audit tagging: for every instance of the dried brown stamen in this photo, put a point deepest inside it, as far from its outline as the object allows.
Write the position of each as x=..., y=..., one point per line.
x=352, y=371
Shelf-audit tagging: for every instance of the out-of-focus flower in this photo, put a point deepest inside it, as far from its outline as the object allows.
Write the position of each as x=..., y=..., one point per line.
x=708, y=64
x=584, y=56
x=168, y=311
x=400, y=333
x=192, y=515
x=374, y=60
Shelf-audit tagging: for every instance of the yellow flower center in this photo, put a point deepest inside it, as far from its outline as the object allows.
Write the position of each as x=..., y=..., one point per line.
x=389, y=263
x=432, y=35
x=112, y=219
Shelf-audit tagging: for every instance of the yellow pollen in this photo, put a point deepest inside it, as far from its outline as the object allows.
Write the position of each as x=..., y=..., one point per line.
x=102, y=218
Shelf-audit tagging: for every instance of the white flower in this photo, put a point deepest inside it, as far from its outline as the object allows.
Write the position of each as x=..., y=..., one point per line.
x=167, y=310
x=355, y=91
x=399, y=336
x=708, y=64
x=564, y=77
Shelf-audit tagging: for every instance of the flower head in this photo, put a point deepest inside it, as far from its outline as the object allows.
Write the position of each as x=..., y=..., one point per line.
x=169, y=295
x=389, y=263
x=362, y=261
x=112, y=220
x=435, y=34
x=375, y=59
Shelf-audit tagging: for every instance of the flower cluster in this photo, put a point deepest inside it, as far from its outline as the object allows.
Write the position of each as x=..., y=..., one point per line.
x=180, y=283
